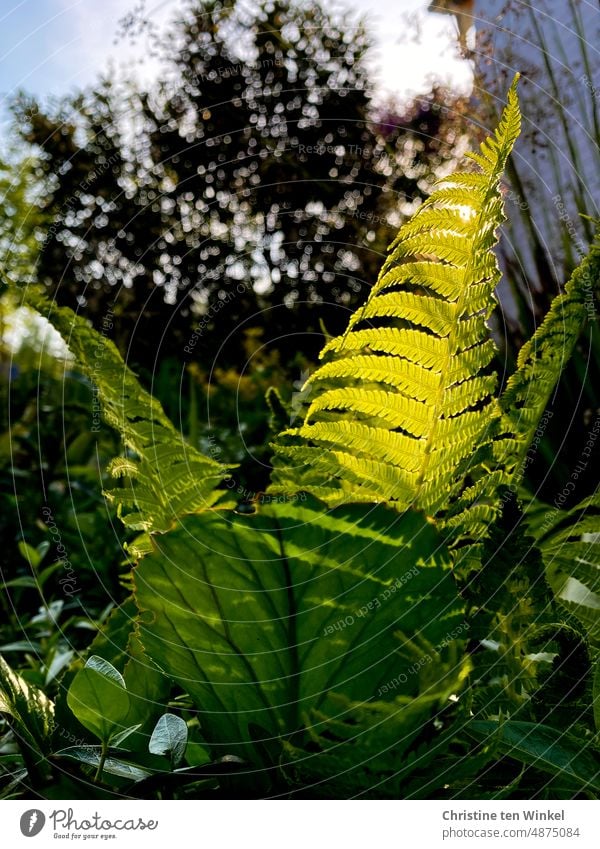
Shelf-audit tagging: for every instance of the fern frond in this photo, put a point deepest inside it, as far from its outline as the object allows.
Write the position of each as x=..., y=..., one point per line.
x=164, y=477
x=542, y=359
x=405, y=395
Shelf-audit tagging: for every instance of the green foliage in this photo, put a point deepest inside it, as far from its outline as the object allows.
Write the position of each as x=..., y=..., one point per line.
x=549, y=749
x=379, y=750
x=20, y=220
x=228, y=416
x=101, y=701
x=147, y=689
x=334, y=648
x=569, y=542
x=406, y=396
x=543, y=358
x=52, y=471
x=292, y=604
x=163, y=476
x=98, y=698
x=567, y=539
x=93, y=756
x=29, y=709
x=553, y=187
x=596, y=697
x=169, y=737
x=508, y=604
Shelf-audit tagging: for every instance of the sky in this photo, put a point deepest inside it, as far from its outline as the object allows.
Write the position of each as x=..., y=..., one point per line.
x=53, y=47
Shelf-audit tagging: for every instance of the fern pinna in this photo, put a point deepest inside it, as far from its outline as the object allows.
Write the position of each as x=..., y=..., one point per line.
x=403, y=405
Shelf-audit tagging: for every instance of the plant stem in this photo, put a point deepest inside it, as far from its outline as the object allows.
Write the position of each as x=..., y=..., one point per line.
x=103, y=755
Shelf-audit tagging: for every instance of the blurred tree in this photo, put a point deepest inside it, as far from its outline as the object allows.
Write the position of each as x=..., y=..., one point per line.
x=255, y=182
x=21, y=219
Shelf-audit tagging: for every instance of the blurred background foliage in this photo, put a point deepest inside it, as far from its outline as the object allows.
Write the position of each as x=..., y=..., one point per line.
x=260, y=158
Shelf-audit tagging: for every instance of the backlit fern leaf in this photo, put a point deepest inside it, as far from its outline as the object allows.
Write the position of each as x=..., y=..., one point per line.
x=406, y=393
x=164, y=476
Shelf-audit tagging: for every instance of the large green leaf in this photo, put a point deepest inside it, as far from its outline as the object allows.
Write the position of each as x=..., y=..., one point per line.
x=262, y=617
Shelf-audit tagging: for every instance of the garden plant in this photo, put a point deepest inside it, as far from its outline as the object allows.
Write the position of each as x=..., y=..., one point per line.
x=395, y=615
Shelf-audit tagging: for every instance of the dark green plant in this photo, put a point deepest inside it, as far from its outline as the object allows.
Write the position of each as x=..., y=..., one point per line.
x=372, y=624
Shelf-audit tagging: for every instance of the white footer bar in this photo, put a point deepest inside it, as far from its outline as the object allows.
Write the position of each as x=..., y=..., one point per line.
x=300, y=824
